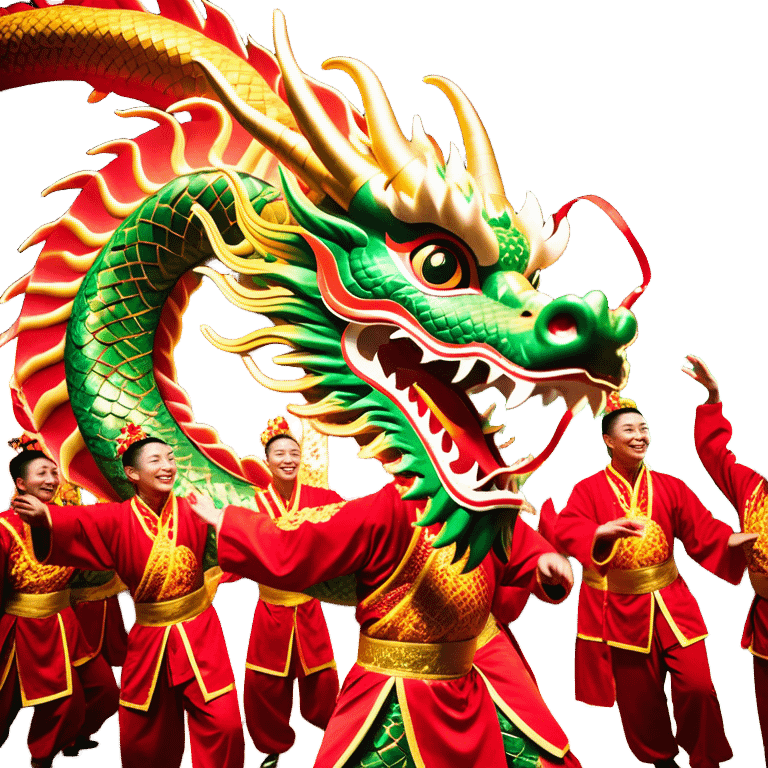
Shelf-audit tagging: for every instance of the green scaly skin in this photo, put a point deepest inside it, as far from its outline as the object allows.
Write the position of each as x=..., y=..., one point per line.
x=385, y=744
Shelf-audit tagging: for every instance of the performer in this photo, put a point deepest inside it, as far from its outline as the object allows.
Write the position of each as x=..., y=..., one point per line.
x=289, y=637
x=620, y=524
x=177, y=660
x=46, y=661
x=746, y=490
x=413, y=692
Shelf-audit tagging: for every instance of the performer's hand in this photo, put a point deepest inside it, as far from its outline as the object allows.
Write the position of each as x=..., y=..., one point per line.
x=746, y=540
x=699, y=372
x=31, y=510
x=555, y=570
x=204, y=508
x=623, y=528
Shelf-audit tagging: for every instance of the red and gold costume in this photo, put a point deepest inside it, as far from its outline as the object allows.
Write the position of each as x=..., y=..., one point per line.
x=420, y=620
x=45, y=659
x=746, y=490
x=289, y=640
x=98, y=611
x=176, y=659
x=634, y=602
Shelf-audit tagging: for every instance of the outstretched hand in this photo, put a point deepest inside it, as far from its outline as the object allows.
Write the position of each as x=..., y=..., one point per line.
x=746, y=540
x=555, y=570
x=31, y=510
x=205, y=509
x=699, y=372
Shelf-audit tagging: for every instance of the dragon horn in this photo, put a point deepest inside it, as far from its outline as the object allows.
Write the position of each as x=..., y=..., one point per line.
x=392, y=150
x=287, y=145
x=481, y=161
x=350, y=169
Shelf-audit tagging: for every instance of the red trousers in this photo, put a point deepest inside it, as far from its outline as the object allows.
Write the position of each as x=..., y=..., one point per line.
x=57, y=723
x=267, y=701
x=643, y=705
x=761, y=696
x=155, y=738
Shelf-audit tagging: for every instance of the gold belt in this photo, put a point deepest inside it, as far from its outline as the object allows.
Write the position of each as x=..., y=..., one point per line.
x=37, y=606
x=91, y=594
x=638, y=581
x=759, y=584
x=173, y=611
x=423, y=661
x=281, y=597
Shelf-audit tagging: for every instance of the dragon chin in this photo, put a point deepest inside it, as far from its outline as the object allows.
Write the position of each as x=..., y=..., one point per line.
x=430, y=382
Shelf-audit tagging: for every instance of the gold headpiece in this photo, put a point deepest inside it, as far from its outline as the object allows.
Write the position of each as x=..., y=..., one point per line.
x=129, y=434
x=614, y=403
x=277, y=427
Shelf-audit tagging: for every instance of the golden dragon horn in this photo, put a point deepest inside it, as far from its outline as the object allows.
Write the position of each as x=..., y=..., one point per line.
x=481, y=160
x=344, y=162
x=392, y=150
x=290, y=147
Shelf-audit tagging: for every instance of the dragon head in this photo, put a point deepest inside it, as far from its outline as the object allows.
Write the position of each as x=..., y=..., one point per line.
x=408, y=285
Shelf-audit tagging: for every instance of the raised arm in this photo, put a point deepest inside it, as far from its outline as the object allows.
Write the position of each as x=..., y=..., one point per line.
x=712, y=433
x=368, y=535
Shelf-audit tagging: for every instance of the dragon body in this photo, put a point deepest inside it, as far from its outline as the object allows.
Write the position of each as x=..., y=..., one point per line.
x=400, y=281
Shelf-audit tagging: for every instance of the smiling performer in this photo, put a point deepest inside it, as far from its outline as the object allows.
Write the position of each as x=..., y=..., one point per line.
x=45, y=659
x=746, y=490
x=177, y=660
x=620, y=524
x=289, y=637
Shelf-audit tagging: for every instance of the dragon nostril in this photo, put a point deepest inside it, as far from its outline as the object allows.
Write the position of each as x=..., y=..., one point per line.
x=526, y=313
x=562, y=326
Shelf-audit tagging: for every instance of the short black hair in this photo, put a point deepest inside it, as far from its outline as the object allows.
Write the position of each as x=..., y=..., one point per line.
x=129, y=457
x=609, y=418
x=20, y=462
x=278, y=437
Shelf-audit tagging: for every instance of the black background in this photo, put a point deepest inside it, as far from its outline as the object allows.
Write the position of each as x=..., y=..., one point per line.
x=657, y=116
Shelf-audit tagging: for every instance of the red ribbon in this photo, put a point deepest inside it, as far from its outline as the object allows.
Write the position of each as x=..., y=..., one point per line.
x=623, y=227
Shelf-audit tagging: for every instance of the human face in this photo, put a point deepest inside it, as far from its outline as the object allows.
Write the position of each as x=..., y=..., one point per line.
x=155, y=470
x=628, y=439
x=41, y=479
x=283, y=459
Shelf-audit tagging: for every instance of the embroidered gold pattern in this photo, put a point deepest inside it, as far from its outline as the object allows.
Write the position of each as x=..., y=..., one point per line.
x=172, y=570
x=652, y=548
x=756, y=521
x=437, y=603
x=25, y=573
x=293, y=518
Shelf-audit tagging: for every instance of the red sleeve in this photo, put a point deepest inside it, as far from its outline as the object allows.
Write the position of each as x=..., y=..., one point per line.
x=521, y=569
x=712, y=434
x=83, y=537
x=508, y=603
x=367, y=536
x=704, y=537
x=576, y=525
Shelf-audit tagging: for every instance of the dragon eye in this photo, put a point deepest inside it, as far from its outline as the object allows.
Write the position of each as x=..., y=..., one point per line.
x=438, y=265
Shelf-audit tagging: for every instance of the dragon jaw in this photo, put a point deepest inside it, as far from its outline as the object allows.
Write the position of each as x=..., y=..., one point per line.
x=431, y=384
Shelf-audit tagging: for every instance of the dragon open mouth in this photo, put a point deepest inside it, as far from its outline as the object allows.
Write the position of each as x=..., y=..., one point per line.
x=432, y=387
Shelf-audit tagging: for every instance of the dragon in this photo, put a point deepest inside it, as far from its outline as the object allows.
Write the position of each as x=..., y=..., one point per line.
x=400, y=281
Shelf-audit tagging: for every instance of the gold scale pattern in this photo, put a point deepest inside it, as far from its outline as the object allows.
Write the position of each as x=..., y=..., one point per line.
x=756, y=521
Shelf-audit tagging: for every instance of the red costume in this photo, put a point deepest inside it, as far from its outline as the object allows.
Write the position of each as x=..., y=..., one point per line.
x=634, y=602
x=420, y=619
x=45, y=659
x=94, y=600
x=177, y=659
x=289, y=640
x=746, y=490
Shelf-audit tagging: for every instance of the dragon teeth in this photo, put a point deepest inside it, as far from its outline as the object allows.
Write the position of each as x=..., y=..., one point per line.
x=465, y=368
x=522, y=391
x=549, y=395
x=399, y=334
x=494, y=372
x=597, y=398
x=428, y=356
